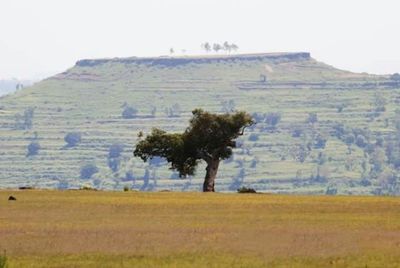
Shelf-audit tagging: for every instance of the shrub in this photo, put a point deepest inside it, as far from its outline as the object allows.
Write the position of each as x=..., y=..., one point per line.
x=361, y=141
x=379, y=102
x=33, y=148
x=300, y=153
x=272, y=119
x=331, y=190
x=320, y=142
x=173, y=111
x=349, y=139
x=254, y=162
x=72, y=139
x=297, y=132
x=238, y=180
x=395, y=77
x=25, y=121
x=115, y=150
x=153, y=111
x=365, y=182
x=126, y=188
x=246, y=190
x=113, y=163
x=339, y=130
x=87, y=188
x=340, y=108
x=129, y=112
x=312, y=118
x=253, y=137
x=258, y=117
x=129, y=176
x=88, y=170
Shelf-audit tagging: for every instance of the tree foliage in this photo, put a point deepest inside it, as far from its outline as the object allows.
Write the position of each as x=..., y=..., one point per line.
x=25, y=121
x=72, y=139
x=209, y=137
x=129, y=112
x=88, y=170
x=33, y=148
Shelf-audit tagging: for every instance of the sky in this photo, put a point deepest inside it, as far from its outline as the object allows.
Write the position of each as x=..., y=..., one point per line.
x=44, y=37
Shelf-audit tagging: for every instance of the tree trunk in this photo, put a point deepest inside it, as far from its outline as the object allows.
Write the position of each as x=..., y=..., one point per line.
x=211, y=174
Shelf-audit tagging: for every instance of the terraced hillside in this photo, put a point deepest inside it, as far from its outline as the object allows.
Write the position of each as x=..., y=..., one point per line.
x=319, y=130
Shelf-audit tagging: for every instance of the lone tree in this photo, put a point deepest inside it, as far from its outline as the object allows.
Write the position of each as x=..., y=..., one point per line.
x=209, y=137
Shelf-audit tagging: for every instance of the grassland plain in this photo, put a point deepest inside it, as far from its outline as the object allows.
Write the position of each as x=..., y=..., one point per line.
x=45, y=228
x=90, y=97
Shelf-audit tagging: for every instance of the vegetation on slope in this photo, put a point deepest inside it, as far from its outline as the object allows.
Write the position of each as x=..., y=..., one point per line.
x=319, y=129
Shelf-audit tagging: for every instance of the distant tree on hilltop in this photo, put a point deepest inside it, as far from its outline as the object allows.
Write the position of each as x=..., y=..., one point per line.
x=206, y=46
x=217, y=47
x=209, y=137
x=234, y=47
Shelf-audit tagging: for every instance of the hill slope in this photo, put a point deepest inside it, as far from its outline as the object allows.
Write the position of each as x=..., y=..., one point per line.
x=290, y=157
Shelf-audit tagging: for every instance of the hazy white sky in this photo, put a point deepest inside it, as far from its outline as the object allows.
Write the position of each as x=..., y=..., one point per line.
x=42, y=37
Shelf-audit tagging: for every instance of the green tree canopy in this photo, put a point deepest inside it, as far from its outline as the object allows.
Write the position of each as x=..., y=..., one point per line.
x=209, y=137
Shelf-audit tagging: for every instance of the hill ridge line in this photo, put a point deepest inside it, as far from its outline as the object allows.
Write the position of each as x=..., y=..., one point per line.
x=177, y=60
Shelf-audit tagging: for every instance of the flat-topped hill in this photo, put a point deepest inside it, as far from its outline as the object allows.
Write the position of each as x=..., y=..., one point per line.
x=108, y=101
x=178, y=60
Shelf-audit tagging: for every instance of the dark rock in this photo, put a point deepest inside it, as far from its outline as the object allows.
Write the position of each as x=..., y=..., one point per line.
x=12, y=198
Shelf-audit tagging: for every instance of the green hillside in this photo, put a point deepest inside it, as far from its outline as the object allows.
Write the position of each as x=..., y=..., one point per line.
x=332, y=134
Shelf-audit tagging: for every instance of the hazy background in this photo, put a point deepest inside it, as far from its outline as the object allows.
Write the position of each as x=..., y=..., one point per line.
x=40, y=38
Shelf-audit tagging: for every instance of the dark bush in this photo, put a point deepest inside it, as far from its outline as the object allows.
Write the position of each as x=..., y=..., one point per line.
x=129, y=112
x=72, y=139
x=87, y=188
x=339, y=130
x=320, y=142
x=33, y=148
x=88, y=170
x=246, y=190
x=361, y=141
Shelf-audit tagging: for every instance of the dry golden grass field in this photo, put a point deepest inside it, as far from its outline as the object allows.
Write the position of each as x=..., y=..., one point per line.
x=134, y=229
